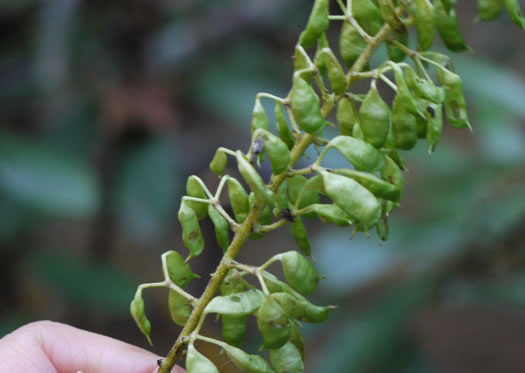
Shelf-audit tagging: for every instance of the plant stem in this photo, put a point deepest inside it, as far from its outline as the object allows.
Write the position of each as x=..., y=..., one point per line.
x=245, y=228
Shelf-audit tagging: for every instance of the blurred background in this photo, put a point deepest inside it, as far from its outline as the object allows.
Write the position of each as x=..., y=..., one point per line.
x=107, y=107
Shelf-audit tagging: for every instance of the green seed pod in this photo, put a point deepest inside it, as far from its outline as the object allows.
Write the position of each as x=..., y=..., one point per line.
x=297, y=339
x=434, y=126
x=357, y=132
x=233, y=329
x=404, y=124
x=254, y=180
x=378, y=187
x=287, y=359
x=448, y=4
x=137, y=311
x=300, y=236
x=191, y=231
x=351, y=45
x=178, y=270
x=299, y=272
x=308, y=196
x=346, y=116
x=320, y=59
x=359, y=153
x=368, y=16
x=306, y=107
x=331, y=213
x=273, y=323
x=197, y=362
x=403, y=94
x=423, y=13
x=421, y=122
x=281, y=198
x=246, y=362
x=222, y=228
x=218, y=163
x=392, y=173
x=238, y=199
x=448, y=28
x=282, y=126
x=299, y=60
x=300, y=308
x=382, y=229
x=455, y=104
x=277, y=151
x=273, y=284
x=354, y=199
x=394, y=53
x=391, y=151
x=375, y=118
x=317, y=24
x=266, y=216
x=424, y=88
x=194, y=189
x=236, y=304
x=490, y=9
x=259, y=117
x=336, y=74
x=388, y=12
x=515, y=13
x=180, y=309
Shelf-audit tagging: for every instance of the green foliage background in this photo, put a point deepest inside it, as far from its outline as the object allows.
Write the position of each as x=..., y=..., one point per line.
x=107, y=107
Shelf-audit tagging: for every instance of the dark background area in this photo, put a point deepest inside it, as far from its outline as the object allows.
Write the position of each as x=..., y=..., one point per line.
x=107, y=107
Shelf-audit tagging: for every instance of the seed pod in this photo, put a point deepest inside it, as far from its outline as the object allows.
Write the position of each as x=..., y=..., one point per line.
x=273, y=284
x=194, y=189
x=351, y=45
x=254, y=180
x=388, y=12
x=178, y=270
x=423, y=88
x=282, y=127
x=448, y=4
x=222, y=228
x=299, y=272
x=394, y=53
x=218, y=163
x=490, y=9
x=331, y=213
x=448, y=28
x=317, y=24
x=434, y=127
x=299, y=60
x=382, y=229
x=137, y=311
x=354, y=199
x=277, y=151
x=320, y=58
x=368, y=16
x=180, y=309
x=245, y=362
x=346, y=116
x=238, y=199
x=375, y=118
x=357, y=132
x=295, y=187
x=259, y=117
x=404, y=125
x=423, y=13
x=197, y=362
x=359, y=153
x=233, y=329
x=515, y=13
x=236, y=304
x=455, y=104
x=306, y=108
x=297, y=339
x=300, y=236
x=300, y=308
x=287, y=359
x=281, y=198
x=273, y=323
x=336, y=74
x=403, y=94
x=378, y=187
x=314, y=184
x=266, y=216
x=191, y=231
x=421, y=121
x=392, y=173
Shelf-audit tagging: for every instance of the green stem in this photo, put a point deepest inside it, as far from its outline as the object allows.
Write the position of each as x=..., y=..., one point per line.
x=245, y=228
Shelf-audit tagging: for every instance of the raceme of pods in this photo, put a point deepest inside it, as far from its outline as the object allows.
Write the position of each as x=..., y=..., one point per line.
x=371, y=133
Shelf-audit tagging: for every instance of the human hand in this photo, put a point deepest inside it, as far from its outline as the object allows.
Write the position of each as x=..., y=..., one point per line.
x=50, y=347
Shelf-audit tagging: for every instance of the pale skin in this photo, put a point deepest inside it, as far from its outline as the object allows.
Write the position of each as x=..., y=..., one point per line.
x=50, y=347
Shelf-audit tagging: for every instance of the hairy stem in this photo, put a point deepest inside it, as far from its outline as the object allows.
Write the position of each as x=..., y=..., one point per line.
x=245, y=228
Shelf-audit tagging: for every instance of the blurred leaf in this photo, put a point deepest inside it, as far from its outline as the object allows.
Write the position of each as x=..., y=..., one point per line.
x=93, y=286
x=46, y=179
x=147, y=190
